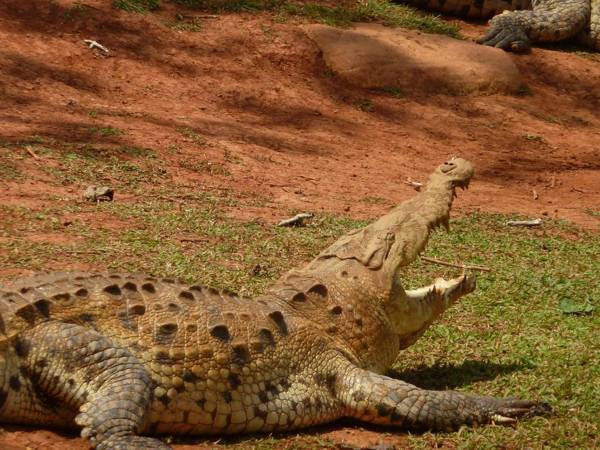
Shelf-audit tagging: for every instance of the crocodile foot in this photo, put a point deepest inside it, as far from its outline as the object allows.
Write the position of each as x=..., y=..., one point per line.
x=507, y=34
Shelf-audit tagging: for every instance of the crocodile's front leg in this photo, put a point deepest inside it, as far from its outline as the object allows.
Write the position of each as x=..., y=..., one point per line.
x=75, y=368
x=590, y=36
x=381, y=400
x=550, y=20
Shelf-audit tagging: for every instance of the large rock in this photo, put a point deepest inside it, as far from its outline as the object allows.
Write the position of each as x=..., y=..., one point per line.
x=374, y=56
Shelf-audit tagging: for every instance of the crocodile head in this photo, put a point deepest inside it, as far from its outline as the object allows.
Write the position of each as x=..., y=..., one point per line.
x=456, y=172
x=411, y=312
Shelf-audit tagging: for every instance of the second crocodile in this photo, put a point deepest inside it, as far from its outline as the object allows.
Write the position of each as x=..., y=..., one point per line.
x=516, y=24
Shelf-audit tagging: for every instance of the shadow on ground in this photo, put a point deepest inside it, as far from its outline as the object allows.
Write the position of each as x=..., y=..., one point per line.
x=446, y=376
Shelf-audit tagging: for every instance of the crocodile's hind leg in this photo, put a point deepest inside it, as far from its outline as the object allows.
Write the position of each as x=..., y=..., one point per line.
x=550, y=20
x=381, y=400
x=106, y=388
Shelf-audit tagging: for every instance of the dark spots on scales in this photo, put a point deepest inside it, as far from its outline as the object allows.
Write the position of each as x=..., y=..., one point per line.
x=14, y=383
x=186, y=295
x=241, y=354
x=113, y=290
x=299, y=297
x=137, y=310
x=189, y=377
x=22, y=347
x=220, y=332
x=278, y=319
x=165, y=333
x=261, y=413
x=384, y=410
x=82, y=293
x=27, y=313
x=63, y=298
x=318, y=289
x=148, y=288
x=43, y=307
x=335, y=310
x=129, y=286
x=263, y=397
x=234, y=381
x=173, y=307
x=327, y=381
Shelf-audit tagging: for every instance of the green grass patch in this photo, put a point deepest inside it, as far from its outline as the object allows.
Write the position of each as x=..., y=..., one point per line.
x=371, y=200
x=190, y=24
x=106, y=131
x=394, y=92
x=593, y=212
x=205, y=166
x=137, y=6
x=9, y=169
x=511, y=337
x=192, y=135
x=381, y=11
x=78, y=168
x=127, y=166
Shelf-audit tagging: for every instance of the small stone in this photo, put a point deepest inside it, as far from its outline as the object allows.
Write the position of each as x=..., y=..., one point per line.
x=99, y=194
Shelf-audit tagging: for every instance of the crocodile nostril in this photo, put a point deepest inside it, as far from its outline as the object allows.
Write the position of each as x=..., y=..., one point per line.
x=448, y=166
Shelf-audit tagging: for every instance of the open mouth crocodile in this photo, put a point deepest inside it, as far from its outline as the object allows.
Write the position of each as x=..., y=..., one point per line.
x=124, y=356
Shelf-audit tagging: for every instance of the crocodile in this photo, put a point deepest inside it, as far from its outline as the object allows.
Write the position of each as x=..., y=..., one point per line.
x=130, y=357
x=516, y=24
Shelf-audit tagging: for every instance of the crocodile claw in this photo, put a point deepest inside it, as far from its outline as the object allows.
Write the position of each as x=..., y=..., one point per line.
x=510, y=409
x=506, y=37
x=502, y=420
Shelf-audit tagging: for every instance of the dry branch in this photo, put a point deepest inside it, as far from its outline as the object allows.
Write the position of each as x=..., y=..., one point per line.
x=459, y=266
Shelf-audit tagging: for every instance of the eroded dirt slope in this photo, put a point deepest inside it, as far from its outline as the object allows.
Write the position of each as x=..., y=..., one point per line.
x=257, y=91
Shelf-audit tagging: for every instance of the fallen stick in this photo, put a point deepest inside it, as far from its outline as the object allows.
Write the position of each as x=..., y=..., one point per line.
x=414, y=184
x=459, y=266
x=193, y=240
x=33, y=155
x=297, y=221
x=524, y=223
x=93, y=44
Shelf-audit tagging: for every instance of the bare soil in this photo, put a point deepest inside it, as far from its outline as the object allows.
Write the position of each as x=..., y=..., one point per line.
x=271, y=113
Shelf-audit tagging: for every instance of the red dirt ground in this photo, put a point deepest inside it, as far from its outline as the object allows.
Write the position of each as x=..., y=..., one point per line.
x=259, y=92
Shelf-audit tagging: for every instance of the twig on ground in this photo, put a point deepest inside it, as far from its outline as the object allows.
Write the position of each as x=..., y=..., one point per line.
x=298, y=220
x=33, y=155
x=459, y=266
x=524, y=223
x=84, y=252
x=93, y=44
x=193, y=240
x=414, y=184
